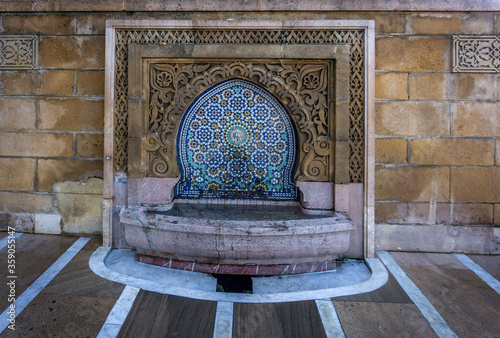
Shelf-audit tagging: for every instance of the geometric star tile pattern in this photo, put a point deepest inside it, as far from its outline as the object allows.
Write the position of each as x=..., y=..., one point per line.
x=236, y=140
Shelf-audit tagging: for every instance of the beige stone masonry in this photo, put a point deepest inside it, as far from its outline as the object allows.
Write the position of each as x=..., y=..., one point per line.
x=17, y=113
x=391, y=212
x=454, y=152
x=454, y=214
x=39, y=24
x=52, y=171
x=90, y=83
x=425, y=86
x=452, y=24
x=471, y=86
x=89, y=145
x=391, y=86
x=44, y=82
x=35, y=144
x=476, y=119
x=73, y=52
x=475, y=184
x=497, y=152
x=412, y=118
x=71, y=114
x=25, y=202
x=412, y=53
x=409, y=184
x=496, y=215
x=17, y=173
x=391, y=150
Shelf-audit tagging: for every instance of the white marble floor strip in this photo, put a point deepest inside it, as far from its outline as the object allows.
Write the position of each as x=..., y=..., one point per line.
x=331, y=322
x=478, y=270
x=119, y=313
x=224, y=320
x=437, y=322
x=34, y=289
x=5, y=241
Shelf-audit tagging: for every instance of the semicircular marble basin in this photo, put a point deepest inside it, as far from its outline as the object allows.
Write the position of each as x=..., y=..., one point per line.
x=237, y=239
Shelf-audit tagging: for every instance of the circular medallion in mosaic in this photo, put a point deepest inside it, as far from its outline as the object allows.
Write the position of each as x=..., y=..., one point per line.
x=237, y=135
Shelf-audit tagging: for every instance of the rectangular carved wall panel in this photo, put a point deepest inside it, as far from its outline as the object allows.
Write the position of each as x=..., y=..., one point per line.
x=18, y=52
x=479, y=54
x=354, y=38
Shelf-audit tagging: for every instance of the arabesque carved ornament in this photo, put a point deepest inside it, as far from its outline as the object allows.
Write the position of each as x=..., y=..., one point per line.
x=301, y=87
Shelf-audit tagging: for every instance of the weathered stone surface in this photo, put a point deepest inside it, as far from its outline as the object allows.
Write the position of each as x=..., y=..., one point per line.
x=151, y=190
x=22, y=222
x=89, y=145
x=90, y=83
x=90, y=23
x=44, y=82
x=476, y=119
x=412, y=118
x=51, y=171
x=25, y=202
x=497, y=152
x=453, y=23
x=428, y=86
x=412, y=53
x=391, y=212
x=80, y=205
x=391, y=86
x=496, y=216
x=460, y=152
x=469, y=86
x=36, y=144
x=72, y=115
x=391, y=150
x=316, y=195
x=41, y=24
x=450, y=214
x=475, y=184
x=17, y=173
x=412, y=184
x=17, y=113
x=384, y=22
x=48, y=224
x=72, y=52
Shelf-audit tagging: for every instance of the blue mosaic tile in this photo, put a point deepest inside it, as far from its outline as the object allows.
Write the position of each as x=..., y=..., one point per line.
x=237, y=141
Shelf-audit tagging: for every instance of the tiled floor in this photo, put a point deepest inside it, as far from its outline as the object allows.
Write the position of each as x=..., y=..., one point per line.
x=76, y=302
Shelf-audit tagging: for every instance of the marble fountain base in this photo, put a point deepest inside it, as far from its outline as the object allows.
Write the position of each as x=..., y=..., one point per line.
x=253, y=240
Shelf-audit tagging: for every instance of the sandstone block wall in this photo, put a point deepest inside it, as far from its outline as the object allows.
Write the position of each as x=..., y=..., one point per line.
x=437, y=132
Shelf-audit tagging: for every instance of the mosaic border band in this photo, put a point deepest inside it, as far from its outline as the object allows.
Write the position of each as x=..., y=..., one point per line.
x=353, y=37
x=18, y=52
x=480, y=54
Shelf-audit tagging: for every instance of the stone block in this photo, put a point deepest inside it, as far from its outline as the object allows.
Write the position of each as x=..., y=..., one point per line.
x=408, y=184
x=36, y=144
x=25, y=202
x=17, y=173
x=92, y=186
x=151, y=190
x=475, y=119
x=475, y=184
x=48, y=224
x=391, y=150
x=72, y=52
x=22, y=222
x=412, y=53
x=316, y=195
x=72, y=115
x=497, y=152
x=428, y=86
x=80, y=213
x=90, y=83
x=49, y=24
x=17, y=113
x=456, y=152
x=496, y=216
x=89, y=145
x=391, y=86
x=450, y=214
x=391, y=212
x=452, y=24
x=90, y=23
x=44, y=82
x=470, y=86
x=52, y=171
x=412, y=118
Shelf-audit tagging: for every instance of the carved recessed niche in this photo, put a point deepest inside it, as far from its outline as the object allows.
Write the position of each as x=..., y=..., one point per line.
x=311, y=82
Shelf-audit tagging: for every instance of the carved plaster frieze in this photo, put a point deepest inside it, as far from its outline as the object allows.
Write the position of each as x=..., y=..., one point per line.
x=18, y=52
x=479, y=54
x=301, y=86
